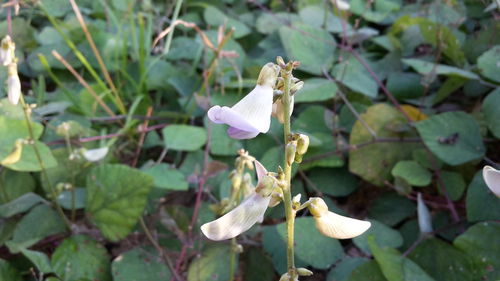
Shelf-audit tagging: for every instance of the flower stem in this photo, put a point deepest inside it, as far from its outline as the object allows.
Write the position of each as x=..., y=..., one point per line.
x=26, y=110
x=287, y=193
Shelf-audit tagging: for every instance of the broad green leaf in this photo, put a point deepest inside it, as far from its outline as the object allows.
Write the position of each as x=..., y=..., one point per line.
x=374, y=162
x=20, y=204
x=369, y=271
x=317, y=17
x=73, y=199
x=67, y=171
x=212, y=265
x=334, y=182
x=383, y=235
x=184, y=137
x=316, y=89
x=57, y=8
x=8, y=272
x=404, y=85
x=479, y=243
x=12, y=130
x=394, y=266
x=220, y=143
x=216, y=17
x=345, y=267
x=139, y=264
x=453, y=137
x=427, y=68
x=166, y=177
x=307, y=242
x=489, y=63
x=15, y=184
x=41, y=222
x=30, y=162
x=452, y=84
x=491, y=104
x=39, y=259
x=268, y=23
x=81, y=257
x=391, y=208
x=116, y=197
x=354, y=75
x=481, y=203
x=313, y=47
x=258, y=266
x=445, y=262
x=412, y=172
x=380, y=11
x=454, y=184
x=22, y=32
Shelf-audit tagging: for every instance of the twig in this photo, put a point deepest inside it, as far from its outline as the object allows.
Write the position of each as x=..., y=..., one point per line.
x=142, y=137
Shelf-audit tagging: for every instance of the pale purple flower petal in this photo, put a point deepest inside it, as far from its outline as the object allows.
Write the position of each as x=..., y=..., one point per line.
x=492, y=178
x=240, y=134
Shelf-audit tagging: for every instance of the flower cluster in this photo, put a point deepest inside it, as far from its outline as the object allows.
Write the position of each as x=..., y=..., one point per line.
x=9, y=60
x=246, y=119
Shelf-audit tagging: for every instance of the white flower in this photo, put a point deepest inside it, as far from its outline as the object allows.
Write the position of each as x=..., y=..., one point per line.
x=492, y=178
x=334, y=225
x=341, y=4
x=7, y=48
x=94, y=155
x=13, y=84
x=252, y=114
x=241, y=218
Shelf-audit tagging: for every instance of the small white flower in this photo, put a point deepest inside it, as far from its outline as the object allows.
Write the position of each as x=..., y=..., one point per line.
x=7, y=48
x=252, y=114
x=94, y=155
x=492, y=178
x=241, y=218
x=341, y=4
x=13, y=84
x=334, y=225
x=424, y=216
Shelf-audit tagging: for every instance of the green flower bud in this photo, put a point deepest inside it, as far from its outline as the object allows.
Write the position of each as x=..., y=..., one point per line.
x=268, y=75
x=298, y=158
x=290, y=150
x=304, y=272
x=302, y=144
x=266, y=186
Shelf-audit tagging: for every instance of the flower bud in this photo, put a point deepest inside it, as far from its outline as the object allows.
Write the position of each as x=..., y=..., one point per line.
x=268, y=75
x=280, y=61
x=13, y=84
x=296, y=87
x=276, y=197
x=290, y=150
x=317, y=207
x=424, y=216
x=15, y=155
x=287, y=277
x=304, y=272
x=265, y=186
x=302, y=144
x=236, y=181
x=7, y=48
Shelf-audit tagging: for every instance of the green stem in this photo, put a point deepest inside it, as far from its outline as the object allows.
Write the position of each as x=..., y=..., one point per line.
x=42, y=165
x=287, y=193
x=232, y=259
x=178, y=5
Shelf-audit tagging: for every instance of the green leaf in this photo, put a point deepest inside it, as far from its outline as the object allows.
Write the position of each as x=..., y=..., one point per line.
x=184, y=137
x=454, y=184
x=391, y=208
x=479, y=242
x=334, y=182
x=426, y=68
x=353, y=74
x=212, y=265
x=444, y=262
x=20, y=205
x=39, y=259
x=481, y=203
x=316, y=89
x=258, y=266
x=80, y=257
x=412, y=172
x=29, y=161
x=166, y=177
x=116, y=197
x=221, y=144
x=491, y=104
x=313, y=47
x=374, y=162
x=345, y=267
x=453, y=137
x=73, y=199
x=489, y=63
x=12, y=130
x=369, y=271
x=405, y=85
x=139, y=264
x=15, y=184
x=394, y=266
x=8, y=272
x=41, y=222
x=307, y=242
x=215, y=17
x=383, y=235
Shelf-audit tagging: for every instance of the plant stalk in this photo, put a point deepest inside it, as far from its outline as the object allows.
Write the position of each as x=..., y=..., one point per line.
x=287, y=193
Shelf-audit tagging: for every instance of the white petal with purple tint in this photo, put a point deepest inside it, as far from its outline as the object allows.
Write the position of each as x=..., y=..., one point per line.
x=492, y=178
